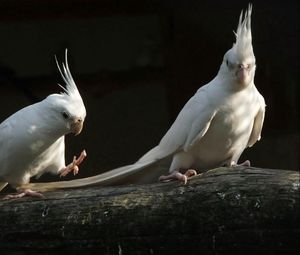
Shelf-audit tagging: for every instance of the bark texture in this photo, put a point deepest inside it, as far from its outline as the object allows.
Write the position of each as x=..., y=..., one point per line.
x=236, y=211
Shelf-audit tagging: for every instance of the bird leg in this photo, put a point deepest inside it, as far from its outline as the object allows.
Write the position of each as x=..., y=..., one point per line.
x=176, y=175
x=73, y=167
x=23, y=193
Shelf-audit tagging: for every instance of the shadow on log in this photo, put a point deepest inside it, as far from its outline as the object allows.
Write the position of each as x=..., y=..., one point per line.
x=223, y=211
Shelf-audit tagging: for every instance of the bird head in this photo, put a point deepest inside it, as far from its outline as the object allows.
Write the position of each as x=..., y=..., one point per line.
x=239, y=62
x=67, y=108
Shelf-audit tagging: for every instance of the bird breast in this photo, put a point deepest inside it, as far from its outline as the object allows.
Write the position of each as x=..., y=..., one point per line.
x=228, y=133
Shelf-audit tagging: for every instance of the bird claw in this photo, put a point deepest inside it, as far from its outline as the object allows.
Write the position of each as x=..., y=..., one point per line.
x=73, y=167
x=176, y=175
x=23, y=193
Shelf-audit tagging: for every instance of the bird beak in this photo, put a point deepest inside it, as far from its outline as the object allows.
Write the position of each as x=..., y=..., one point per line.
x=242, y=73
x=76, y=126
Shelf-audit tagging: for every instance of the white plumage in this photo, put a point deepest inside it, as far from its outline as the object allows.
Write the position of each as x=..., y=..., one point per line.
x=214, y=127
x=32, y=139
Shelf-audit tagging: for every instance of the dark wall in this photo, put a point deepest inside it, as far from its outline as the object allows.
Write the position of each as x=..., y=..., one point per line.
x=138, y=62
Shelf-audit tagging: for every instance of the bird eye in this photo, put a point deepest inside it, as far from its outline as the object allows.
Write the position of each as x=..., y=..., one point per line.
x=65, y=115
x=227, y=63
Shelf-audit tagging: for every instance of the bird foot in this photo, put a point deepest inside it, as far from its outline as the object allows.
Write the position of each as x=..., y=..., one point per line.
x=176, y=175
x=245, y=163
x=74, y=166
x=23, y=193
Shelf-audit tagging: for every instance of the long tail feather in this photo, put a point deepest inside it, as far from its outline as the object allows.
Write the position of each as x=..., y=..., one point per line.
x=106, y=178
x=111, y=177
x=2, y=185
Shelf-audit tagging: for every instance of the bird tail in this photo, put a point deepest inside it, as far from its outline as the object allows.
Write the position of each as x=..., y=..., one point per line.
x=112, y=177
x=2, y=185
x=154, y=154
x=108, y=178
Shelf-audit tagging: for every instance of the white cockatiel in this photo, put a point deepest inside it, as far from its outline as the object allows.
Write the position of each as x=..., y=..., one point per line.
x=32, y=141
x=215, y=126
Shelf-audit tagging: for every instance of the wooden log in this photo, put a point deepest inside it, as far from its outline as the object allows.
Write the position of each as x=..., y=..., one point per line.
x=223, y=211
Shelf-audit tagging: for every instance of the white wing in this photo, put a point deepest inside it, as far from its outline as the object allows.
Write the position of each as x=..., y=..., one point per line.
x=190, y=125
x=8, y=129
x=22, y=137
x=4, y=132
x=258, y=123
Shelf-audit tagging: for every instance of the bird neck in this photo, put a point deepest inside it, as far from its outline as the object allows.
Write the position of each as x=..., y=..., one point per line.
x=232, y=84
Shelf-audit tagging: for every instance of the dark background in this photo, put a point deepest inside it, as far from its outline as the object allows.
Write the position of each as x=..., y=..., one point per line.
x=136, y=63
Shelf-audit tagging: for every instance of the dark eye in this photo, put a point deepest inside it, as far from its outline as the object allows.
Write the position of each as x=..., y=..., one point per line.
x=227, y=63
x=65, y=115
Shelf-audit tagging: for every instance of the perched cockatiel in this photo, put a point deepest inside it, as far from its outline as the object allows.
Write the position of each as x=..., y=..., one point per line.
x=32, y=141
x=215, y=126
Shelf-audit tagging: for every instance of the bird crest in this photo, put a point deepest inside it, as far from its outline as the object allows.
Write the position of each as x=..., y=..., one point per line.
x=243, y=44
x=70, y=88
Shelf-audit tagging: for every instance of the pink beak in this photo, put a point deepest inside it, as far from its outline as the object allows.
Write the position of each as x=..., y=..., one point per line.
x=77, y=126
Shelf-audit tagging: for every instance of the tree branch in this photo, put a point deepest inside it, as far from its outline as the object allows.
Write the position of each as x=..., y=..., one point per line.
x=243, y=210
